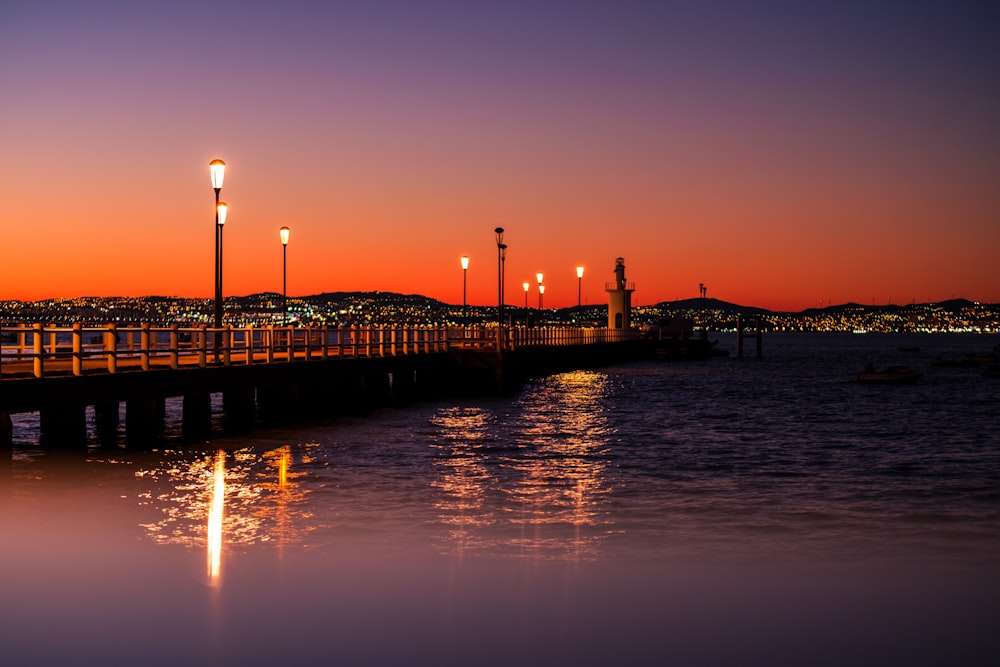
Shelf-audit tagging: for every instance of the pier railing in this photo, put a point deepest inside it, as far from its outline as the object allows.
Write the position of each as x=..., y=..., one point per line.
x=39, y=350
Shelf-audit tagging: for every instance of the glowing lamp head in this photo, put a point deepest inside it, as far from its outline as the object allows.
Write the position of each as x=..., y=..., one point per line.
x=541, y=289
x=222, y=209
x=539, y=277
x=218, y=170
x=465, y=263
x=579, y=272
x=283, y=233
x=526, y=286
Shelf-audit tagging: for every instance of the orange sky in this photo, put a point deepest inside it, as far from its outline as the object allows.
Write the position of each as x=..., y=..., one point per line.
x=784, y=159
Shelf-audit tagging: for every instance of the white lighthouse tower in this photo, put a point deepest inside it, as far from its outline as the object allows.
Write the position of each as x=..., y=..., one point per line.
x=620, y=298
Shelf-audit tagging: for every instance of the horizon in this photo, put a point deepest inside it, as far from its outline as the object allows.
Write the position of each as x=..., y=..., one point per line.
x=511, y=304
x=792, y=157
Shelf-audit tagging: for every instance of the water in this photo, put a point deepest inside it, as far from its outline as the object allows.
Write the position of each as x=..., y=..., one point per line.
x=755, y=511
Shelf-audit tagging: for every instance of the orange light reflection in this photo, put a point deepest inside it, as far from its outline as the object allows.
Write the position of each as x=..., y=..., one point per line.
x=215, y=516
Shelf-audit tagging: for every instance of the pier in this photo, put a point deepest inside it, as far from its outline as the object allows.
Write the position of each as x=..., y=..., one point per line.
x=268, y=375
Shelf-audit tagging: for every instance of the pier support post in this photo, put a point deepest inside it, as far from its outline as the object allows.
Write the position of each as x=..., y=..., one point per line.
x=278, y=403
x=239, y=406
x=63, y=426
x=6, y=433
x=143, y=421
x=106, y=421
x=6, y=456
x=196, y=420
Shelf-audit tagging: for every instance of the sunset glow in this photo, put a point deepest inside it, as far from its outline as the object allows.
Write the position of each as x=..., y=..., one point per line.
x=787, y=155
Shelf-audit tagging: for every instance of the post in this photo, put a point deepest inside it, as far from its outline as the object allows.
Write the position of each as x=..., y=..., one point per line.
x=174, y=343
x=218, y=268
x=227, y=342
x=579, y=292
x=38, y=345
x=203, y=346
x=144, y=346
x=77, y=348
x=111, y=347
x=500, y=261
x=465, y=272
x=248, y=342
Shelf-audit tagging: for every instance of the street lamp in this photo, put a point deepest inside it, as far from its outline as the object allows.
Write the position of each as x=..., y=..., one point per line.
x=501, y=255
x=283, y=233
x=465, y=276
x=526, y=287
x=579, y=288
x=539, y=277
x=217, y=170
x=221, y=211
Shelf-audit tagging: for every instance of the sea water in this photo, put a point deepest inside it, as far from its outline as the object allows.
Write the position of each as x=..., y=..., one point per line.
x=731, y=511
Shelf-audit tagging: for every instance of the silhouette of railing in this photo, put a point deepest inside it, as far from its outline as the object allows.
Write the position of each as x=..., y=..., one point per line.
x=39, y=350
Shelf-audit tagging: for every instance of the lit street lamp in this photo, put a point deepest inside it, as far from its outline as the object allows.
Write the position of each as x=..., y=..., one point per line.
x=217, y=170
x=465, y=275
x=526, y=286
x=539, y=277
x=579, y=288
x=221, y=211
x=283, y=233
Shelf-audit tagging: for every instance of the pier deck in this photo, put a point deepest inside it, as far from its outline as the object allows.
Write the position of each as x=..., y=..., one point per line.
x=268, y=375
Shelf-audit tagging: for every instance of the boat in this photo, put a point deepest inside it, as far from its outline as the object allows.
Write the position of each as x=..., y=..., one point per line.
x=890, y=375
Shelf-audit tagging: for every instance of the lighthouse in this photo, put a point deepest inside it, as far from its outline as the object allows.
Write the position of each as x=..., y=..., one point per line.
x=620, y=298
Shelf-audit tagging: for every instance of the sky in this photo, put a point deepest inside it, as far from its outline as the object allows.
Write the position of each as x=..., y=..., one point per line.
x=786, y=155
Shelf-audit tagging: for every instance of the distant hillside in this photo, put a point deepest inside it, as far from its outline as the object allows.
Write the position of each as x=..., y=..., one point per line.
x=375, y=297
x=951, y=305
x=710, y=305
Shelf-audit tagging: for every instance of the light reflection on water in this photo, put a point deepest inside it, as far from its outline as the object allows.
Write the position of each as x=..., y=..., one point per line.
x=216, y=508
x=539, y=496
x=225, y=501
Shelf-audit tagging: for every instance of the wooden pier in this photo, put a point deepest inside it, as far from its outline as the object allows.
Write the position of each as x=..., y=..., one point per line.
x=267, y=375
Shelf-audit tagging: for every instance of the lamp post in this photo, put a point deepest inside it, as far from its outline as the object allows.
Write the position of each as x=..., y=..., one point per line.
x=503, y=276
x=579, y=289
x=221, y=211
x=541, y=290
x=526, y=287
x=283, y=233
x=465, y=276
x=501, y=256
x=217, y=170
